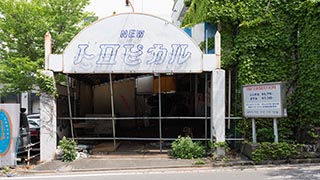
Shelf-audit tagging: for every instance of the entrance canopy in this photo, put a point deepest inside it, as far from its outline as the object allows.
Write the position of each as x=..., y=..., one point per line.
x=132, y=43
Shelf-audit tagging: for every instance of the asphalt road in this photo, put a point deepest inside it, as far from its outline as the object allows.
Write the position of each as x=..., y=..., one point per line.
x=285, y=172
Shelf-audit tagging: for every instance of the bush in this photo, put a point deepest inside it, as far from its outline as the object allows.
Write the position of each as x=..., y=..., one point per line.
x=274, y=151
x=69, y=149
x=185, y=148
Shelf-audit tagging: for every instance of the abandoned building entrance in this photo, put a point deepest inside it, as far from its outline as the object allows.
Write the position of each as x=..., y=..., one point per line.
x=137, y=77
x=109, y=109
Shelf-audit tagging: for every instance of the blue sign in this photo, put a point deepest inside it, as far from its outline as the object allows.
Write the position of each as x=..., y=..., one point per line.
x=5, y=132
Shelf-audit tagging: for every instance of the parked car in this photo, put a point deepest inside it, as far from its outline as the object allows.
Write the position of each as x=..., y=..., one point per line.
x=34, y=127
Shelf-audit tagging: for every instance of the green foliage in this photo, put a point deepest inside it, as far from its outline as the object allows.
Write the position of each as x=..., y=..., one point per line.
x=69, y=149
x=185, y=148
x=187, y=3
x=269, y=41
x=19, y=73
x=23, y=25
x=274, y=151
x=306, y=98
x=223, y=144
x=210, y=44
x=46, y=83
x=196, y=13
x=200, y=162
x=8, y=172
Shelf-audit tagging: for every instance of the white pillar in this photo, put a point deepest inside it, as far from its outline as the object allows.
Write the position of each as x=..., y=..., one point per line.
x=47, y=49
x=218, y=105
x=48, y=124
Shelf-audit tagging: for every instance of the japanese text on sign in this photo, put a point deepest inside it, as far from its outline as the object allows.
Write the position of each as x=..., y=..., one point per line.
x=264, y=100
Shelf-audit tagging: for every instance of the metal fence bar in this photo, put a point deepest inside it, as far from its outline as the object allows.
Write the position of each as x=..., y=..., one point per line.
x=160, y=138
x=29, y=148
x=143, y=117
x=112, y=113
x=131, y=118
x=160, y=119
x=206, y=103
x=234, y=139
x=69, y=106
x=132, y=138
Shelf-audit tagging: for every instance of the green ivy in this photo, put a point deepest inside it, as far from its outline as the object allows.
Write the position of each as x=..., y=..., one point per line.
x=268, y=41
x=274, y=151
x=196, y=13
x=46, y=84
x=210, y=44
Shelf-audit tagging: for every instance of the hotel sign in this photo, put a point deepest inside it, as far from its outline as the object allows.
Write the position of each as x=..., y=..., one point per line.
x=132, y=43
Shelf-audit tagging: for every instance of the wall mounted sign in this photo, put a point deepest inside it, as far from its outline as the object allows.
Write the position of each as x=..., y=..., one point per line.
x=5, y=132
x=264, y=100
x=132, y=43
x=9, y=132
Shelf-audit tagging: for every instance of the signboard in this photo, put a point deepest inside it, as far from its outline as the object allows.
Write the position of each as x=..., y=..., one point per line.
x=264, y=100
x=132, y=43
x=9, y=132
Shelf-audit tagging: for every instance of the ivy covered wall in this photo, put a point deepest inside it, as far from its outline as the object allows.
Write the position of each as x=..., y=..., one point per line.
x=268, y=41
x=306, y=99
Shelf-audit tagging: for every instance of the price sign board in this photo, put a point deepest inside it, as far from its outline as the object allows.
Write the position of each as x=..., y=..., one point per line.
x=264, y=100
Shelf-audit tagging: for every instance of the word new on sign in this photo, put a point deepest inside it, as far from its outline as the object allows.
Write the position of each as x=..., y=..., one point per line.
x=133, y=54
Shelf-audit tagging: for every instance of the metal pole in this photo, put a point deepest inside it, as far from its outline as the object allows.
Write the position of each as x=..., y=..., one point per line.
x=229, y=99
x=160, y=123
x=254, y=135
x=74, y=103
x=69, y=104
x=206, y=95
x=206, y=105
x=195, y=93
x=275, y=130
x=28, y=148
x=112, y=114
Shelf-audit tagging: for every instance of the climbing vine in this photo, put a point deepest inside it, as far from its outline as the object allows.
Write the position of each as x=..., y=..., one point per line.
x=268, y=41
x=46, y=83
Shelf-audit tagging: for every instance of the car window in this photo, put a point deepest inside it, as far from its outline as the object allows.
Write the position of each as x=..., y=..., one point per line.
x=33, y=124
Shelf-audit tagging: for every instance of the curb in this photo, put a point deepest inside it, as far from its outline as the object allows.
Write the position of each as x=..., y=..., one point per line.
x=114, y=169
x=211, y=164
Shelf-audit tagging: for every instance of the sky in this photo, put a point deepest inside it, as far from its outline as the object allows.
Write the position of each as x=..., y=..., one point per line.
x=104, y=8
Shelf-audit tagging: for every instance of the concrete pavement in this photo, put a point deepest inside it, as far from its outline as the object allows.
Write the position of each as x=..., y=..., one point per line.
x=129, y=162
